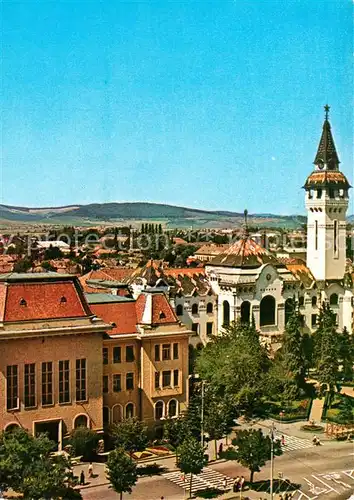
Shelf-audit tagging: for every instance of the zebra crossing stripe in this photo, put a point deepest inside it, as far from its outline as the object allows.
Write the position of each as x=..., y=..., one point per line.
x=208, y=478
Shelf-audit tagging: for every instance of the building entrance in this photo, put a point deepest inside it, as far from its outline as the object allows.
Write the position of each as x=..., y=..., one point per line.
x=52, y=428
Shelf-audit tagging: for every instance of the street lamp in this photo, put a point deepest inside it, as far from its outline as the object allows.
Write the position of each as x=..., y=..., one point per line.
x=196, y=376
x=271, y=461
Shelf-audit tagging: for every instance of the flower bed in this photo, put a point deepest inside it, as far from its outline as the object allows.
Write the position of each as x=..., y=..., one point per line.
x=159, y=450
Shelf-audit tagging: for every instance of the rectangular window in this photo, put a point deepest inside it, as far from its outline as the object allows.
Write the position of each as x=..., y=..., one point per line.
x=335, y=238
x=81, y=380
x=105, y=355
x=157, y=352
x=313, y=320
x=209, y=328
x=166, y=379
x=129, y=354
x=47, y=383
x=157, y=380
x=129, y=381
x=175, y=378
x=30, y=385
x=117, y=355
x=195, y=328
x=64, y=381
x=175, y=351
x=105, y=384
x=12, y=402
x=166, y=352
x=117, y=382
x=316, y=235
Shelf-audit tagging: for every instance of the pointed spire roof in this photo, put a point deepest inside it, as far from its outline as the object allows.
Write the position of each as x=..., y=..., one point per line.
x=326, y=152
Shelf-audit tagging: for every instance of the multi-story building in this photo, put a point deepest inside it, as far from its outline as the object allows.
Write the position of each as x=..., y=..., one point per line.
x=50, y=356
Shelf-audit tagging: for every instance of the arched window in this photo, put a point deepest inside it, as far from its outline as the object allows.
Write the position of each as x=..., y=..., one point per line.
x=12, y=427
x=81, y=421
x=209, y=308
x=172, y=408
x=116, y=413
x=105, y=415
x=267, y=311
x=245, y=311
x=179, y=310
x=195, y=309
x=289, y=307
x=333, y=300
x=314, y=301
x=226, y=313
x=301, y=301
x=159, y=410
x=129, y=410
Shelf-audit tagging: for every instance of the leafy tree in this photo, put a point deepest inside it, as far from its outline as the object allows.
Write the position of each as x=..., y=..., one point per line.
x=292, y=349
x=252, y=449
x=122, y=471
x=84, y=442
x=52, y=253
x=23, y=265
x=191, y=459
x=346, y=410
x=130, y=434
x=48, y=266
x=175, y=430
x=217, y=418
x=326, y=348
x=346, y=354
x=27, y=468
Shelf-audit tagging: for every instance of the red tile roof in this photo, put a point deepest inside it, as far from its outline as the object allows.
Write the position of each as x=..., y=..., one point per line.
x=154, y=309
x=41, y=301
x=107, y=273
x=122, y=314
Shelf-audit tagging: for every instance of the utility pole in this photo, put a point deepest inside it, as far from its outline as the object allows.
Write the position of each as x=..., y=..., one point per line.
x=271, y=461
x=202, y=417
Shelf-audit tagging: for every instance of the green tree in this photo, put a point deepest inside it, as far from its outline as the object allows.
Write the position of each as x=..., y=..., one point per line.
x=27, y=467
x=217, y=418
x=346, y=354
x=191, y=459
x=84, y=442
x=130, y=434
x=122, y=471
x=326, y=348
x=175, y=430
x=252, y=449
x=23, y=265
x=292, y=349
x=346, y=410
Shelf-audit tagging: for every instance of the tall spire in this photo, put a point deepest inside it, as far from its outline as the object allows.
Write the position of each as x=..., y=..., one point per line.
x=326, y=156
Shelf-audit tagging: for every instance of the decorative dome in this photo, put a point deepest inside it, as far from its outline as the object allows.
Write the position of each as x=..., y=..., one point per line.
x=327, y=178
x=245, y=253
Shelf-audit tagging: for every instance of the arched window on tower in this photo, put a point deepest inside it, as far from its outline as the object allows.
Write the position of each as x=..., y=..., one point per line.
x=267, y=311
x=333, y=300
x=179, y=310
x=245, y=311
x=226, y=313
x=195, y=309
x=209, y=308
x=314, y=301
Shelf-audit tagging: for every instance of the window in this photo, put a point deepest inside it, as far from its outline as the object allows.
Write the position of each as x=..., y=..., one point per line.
x=302, y=320
x=157, y=352
x=319, y=193
x=105, y=415
x=289, y=308
x=105, y=355
x=12, y=402
x=226, y=313
x=30, y=386
x=267, y=311
x=175, y=351
x=209, y=328
x=129, y=410
x=166, y=379
x=195, y=309
x=23, y=303
x=301, y=301
x=166, y=352
x=316, y=235
x=195, y=328
x=314, y=301
x=175, y=378
x=47, y=383
x=81, y=421
x=63, y=300
x=172, y=408
x=105, y=384
x=81, y=380
x=313, y=320
x=64, y=381
x=116, y=413
x=129, y=354
x=179, y=310
x=157, y=380
x=209, y=308
x=331, y=193
x=117, y=355
x=117, y=382
x=335, y=238
x=129, y=381
x=333, y=300
x=158, y=410
x=245, y=311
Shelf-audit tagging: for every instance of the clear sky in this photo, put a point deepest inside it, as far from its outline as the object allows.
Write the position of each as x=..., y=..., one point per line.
x=208, y=104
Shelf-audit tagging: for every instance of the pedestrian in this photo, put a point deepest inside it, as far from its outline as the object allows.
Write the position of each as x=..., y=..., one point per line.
x=82, y=478
x=242, y=480
x=90, y=470
x=224, y=483
x=282, y=440
x=220, y=449
x=236, y=484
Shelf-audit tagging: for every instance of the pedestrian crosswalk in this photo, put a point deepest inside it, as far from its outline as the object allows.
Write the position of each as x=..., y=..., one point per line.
x=208, y=478
x=292, y=443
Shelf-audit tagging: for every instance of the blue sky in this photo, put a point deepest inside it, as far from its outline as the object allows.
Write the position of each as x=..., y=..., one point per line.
x=215, y=105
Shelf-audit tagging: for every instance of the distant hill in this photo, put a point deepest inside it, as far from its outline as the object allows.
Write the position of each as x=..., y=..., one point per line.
x=111, y=213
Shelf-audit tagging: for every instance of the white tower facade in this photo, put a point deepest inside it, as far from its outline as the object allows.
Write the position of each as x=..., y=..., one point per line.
x=327, y=201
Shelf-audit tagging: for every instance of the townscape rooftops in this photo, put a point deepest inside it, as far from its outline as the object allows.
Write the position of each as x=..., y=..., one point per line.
x=154, y=309
x=106, y=298
x=120, y=314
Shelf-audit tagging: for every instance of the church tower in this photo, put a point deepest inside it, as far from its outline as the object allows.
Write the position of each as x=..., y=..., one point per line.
x=326, y=204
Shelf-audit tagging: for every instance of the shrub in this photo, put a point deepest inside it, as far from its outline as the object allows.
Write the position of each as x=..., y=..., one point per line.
x=84, y=442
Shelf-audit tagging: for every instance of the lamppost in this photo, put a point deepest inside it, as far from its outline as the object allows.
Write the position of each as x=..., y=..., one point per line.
x=202, y=416
x=271, y=461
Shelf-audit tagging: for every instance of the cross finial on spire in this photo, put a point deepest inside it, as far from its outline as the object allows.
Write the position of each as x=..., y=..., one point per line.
x=326, y=108
x=245, y=224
